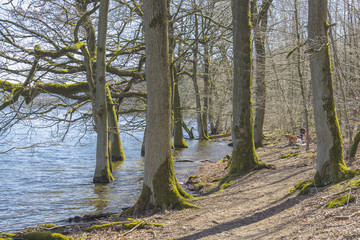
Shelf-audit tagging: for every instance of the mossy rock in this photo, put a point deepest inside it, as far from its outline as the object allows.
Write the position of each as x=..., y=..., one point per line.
x=340, y=201
x=43, y=236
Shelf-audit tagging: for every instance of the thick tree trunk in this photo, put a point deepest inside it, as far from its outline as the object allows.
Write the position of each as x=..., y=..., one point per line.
x=330, y=160
x=160, y=188
x=103, y=169
x=244, y=156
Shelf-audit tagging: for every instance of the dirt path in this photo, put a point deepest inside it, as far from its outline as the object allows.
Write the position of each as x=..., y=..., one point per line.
x=255, y=206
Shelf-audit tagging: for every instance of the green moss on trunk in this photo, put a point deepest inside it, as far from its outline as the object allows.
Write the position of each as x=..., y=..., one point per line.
x=355, y=144
x=167, y=192
x=166, y=188
x=106, y=176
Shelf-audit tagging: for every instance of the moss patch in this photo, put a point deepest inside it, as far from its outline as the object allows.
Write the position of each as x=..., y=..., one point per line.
x=303, y=186
x=129, y=224
x=289, y=155
x=7, y=234
x=166, y=188
x=43, y=236
x=47, y=225
x=340, y=201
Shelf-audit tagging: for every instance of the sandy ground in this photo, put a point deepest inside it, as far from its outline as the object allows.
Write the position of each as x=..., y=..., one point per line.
x=257, y=205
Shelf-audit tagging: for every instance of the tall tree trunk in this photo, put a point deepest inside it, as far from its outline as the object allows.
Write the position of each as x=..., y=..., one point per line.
x=103, y=168
x=160, y=188
x=201, y=132
x=341, y=78
x=244, y=156
x=302, y=84
x=179, y=140
x=205, y=112
x=260, y=35
x=117, y=151
x=330, y=167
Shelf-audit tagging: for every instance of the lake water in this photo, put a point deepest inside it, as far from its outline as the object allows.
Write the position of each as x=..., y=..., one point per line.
x=53, y=182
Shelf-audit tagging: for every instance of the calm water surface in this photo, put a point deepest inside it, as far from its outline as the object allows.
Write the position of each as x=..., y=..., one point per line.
x=53, y=183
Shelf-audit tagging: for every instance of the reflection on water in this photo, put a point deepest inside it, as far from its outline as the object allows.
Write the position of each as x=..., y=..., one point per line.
x=54, y=183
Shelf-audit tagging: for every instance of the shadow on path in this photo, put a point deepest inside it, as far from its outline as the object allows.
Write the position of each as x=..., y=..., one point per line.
x=240, y=222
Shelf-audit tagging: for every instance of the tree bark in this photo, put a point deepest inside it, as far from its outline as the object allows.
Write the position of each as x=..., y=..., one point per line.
x=355, y=144
x=330, y=167
x=302, y=85
x=160, y=188
x=244, y=156
x=205, y=112
x=103, y=168
x=179, y=140
x=117, y=151
x=201, y=132
x=260, y=34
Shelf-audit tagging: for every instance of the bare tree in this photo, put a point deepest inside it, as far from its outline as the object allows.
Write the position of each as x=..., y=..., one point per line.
x=330, y=160
x=160, y=187
x=244, y=156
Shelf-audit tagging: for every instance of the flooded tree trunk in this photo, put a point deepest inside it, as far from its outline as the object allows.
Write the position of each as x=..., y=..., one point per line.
x=206, y=87
x=160, y=188
x=102, y=169
x=330, y=167
x=117, y=151
x=179, y=141
x=244, y=157
x=201, y=132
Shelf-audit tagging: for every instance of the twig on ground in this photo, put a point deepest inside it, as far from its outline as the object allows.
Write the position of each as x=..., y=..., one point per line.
x=135, y=227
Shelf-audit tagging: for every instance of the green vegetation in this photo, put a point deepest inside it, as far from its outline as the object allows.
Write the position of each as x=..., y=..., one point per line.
x=289, y=155
x=7, y=234
x=303, y=187
x=340, y=201
x=47, y=225
x=129, y=224
x=42, y=236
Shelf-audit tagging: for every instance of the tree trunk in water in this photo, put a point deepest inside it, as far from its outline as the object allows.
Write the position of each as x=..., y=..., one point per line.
x=160, y=188
x=205, y=111
x=143, y=144
x=117, y=151
x=330, y=167
x=179, y=141
x=201, y=132
x=244, y=156
x=103, y=169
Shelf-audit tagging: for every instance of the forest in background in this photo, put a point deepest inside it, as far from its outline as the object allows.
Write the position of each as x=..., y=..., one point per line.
x=54, y=62
x=201, y=48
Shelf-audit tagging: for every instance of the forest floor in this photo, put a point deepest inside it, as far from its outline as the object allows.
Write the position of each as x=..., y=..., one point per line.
x=258, y=205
